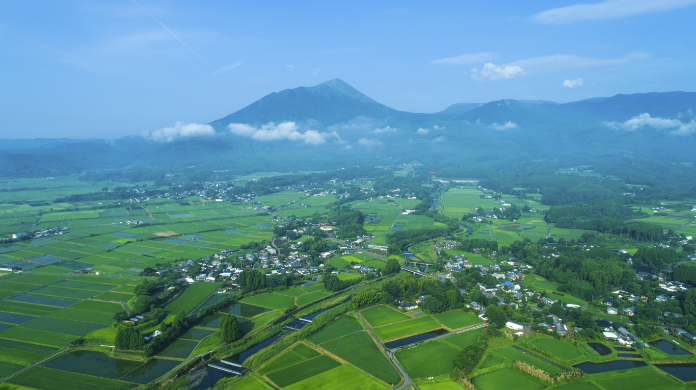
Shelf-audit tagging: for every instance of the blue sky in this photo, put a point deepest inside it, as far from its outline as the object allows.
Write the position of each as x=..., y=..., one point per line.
x=106, y=69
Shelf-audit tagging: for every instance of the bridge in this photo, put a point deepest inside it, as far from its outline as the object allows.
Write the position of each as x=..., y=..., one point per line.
x=414, y=271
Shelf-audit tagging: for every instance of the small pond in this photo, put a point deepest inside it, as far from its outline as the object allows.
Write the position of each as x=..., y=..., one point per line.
x=601, y=349
x=684, y=372
x=669, y=348
x=624, y=349
x=414, y=339
x=245, y=310
x=150, y=371
x=596, y=368
x=399, y=227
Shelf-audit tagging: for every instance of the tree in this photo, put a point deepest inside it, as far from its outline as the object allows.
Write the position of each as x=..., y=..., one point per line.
x=392, y=266
x=332, y=283
x=496, y=316
x=230, y=329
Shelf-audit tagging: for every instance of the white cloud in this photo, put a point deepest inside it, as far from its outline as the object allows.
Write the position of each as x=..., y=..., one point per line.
x=505, y=126
x=290, y=66
x=611, y=9
x=282, y=131
x=180, y=129
x=348, y=147
x=466, y=59
x=316, y=71
x=675, y=126
x=436, y=127
x=387, y=129
x=573, y=83
x=439, y=139
x=422, y=131
x=369, y=142
x=226, y=68
x=492, y=71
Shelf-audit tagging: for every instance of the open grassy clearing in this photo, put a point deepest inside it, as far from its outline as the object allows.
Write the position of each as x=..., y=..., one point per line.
x=513, y=354
x=457, y=319
x=440, y=384
x=502, y=379
x=50, y=379
x=557, y=348
x=301, y=371
x=343, y=326
x=638, y=379
x=428, y=359
x=360, y=350
x=406, y=328
x=381, y=315
x=191, y=297
x=311, y=297
x=340, y=378
x=40, y=337
x=272, y=300
x=287, y=359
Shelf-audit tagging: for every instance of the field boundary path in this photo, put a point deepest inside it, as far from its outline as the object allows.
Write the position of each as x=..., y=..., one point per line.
x=37, y=223
x=540, y=358
x=490, y=230
x=407, y=379
x=35, y=364
x=203, y=301
x=548, y=233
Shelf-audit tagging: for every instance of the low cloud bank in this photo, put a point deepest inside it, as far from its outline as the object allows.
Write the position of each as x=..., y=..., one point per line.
x=504, y=126
x=179, y=130
x=673, y=126
x=282, y=131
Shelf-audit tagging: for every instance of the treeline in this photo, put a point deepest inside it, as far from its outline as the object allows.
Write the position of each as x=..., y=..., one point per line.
x=350, y=222
x=637, y=230
x=439, y=297
x=587, y=273
x=685, y=273
x=252, y=280
x=399, y=240
x=657, y=257
x=334, y=284
x=477, y=243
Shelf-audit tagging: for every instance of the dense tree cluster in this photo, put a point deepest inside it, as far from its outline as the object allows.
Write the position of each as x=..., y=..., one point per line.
x=656, y=257
x=229, y=327
x=350, y=222
x=128, y=338
x=685, y=273
x=587, y=273
x=399, y=240
x=334, y=284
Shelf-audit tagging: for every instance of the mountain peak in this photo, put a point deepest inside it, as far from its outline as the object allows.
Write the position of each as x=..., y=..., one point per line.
x=341, y=87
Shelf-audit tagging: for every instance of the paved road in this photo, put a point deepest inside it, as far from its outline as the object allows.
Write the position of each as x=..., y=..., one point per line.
x=407, y=379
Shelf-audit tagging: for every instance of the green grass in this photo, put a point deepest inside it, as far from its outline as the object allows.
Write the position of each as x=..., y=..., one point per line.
x=50, y=379
x=382, y=315
x=463, y=339
x=8, y=369
x=447, y=384
x=191, y=297
x=360, y=350
x=85, y=316
x=305, y=351
x=273, y=301
x=558, y=348
x=456, y=319
x=302, y=371
x=24, y=351
x=342, y=326
x=65, y=292
x=503, y=379
x=99, y=307
x=429, y=359
x=287, y=359
x=345, y=276
x=250, y=382
x=28, y=309
x=406, y=328
x=577, y=386
x=40, y=337
x=114, y=296
x=513, y=354
x=64, y=326
x=643, y=379
x=311, y=297
x=340, y=378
